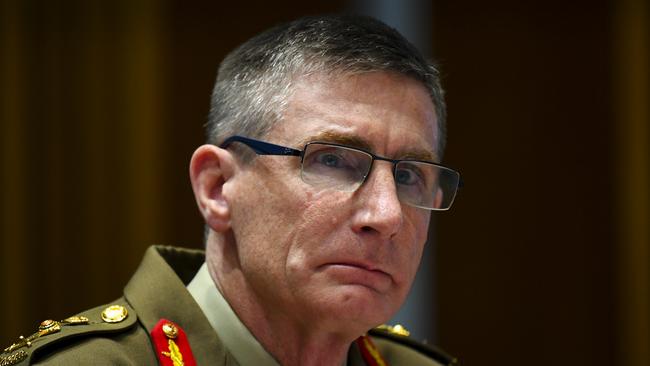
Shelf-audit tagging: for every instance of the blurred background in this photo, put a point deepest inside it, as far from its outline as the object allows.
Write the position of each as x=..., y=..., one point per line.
x=543, y=259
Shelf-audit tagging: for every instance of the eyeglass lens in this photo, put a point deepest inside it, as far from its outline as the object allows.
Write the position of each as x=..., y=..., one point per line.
x=341, y=168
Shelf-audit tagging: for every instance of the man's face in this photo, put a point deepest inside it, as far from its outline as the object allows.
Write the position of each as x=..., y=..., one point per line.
x=324, y=256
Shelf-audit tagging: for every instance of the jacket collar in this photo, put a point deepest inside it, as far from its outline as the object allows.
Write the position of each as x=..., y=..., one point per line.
x=158, y=290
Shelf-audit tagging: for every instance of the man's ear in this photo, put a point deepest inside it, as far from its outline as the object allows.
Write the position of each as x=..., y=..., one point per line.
x=210, y=168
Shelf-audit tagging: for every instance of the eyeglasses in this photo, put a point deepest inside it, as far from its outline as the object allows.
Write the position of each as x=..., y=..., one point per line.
x=326, y=165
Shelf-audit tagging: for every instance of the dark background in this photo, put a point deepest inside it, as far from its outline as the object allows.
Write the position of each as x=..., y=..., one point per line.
x=542, y=260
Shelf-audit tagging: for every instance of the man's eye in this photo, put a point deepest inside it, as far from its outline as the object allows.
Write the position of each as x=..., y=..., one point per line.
x=329, y=160
x=407, y=177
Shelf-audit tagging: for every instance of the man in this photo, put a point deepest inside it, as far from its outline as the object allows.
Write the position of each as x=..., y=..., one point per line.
x=317, y=185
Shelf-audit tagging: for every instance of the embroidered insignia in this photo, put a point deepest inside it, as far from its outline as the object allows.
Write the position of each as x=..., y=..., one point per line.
x=369, y=352
x=172, y=346
x=174, y=353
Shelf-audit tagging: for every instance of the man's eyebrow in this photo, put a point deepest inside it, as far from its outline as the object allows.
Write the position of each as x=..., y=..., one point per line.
x=338, y=138
x=420, y=155
x=360, y=143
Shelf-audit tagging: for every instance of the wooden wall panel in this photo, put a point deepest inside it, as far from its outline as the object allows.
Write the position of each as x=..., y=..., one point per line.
x=526, y=258
x=632, y=86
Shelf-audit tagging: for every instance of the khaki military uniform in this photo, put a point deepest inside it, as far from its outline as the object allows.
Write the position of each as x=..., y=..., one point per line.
x=120, y=335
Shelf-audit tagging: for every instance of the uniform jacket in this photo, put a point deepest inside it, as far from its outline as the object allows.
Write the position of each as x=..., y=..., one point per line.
x=158, y=290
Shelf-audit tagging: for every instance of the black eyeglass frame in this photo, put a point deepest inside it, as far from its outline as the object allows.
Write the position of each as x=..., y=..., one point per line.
x=267, y=148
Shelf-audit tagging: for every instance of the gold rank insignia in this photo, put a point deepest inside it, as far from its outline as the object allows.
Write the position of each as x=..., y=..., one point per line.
x=14, y=353
x=397, y=329
x=397, y=333
x=13, y=358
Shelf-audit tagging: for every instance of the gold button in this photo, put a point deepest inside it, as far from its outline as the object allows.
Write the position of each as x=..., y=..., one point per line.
x=170, y=330
x=114, y=314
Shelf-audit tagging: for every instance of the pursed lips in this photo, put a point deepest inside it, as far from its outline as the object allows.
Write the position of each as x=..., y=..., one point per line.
x=363, y=272
x=367, y=267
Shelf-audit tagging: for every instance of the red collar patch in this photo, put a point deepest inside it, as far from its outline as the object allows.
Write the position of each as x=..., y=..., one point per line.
x=369, y=352
x=171, y=344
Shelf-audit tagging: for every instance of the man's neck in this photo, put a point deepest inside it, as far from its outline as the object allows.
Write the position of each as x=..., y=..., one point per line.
x=293, y=345
x=289, y=341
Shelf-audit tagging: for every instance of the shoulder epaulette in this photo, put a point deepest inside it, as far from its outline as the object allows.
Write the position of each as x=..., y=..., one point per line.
x=400, y=335
x=100, y=320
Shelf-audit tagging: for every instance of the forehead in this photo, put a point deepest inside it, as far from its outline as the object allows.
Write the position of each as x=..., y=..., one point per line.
x=389, y=114
x=392, y=114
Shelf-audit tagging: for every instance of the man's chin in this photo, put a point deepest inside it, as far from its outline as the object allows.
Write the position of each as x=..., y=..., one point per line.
x=357, y=305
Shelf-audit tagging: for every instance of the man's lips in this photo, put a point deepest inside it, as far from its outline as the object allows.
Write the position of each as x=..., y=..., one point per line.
x=367, y=267
x=351, y=272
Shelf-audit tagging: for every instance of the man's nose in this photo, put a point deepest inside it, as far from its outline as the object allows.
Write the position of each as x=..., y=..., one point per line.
x=379, y=209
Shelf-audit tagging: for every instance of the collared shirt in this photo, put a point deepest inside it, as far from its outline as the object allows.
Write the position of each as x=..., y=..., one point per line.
x=232, y=332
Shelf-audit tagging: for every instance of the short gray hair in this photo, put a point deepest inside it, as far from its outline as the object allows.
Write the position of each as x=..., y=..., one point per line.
x=254, y=81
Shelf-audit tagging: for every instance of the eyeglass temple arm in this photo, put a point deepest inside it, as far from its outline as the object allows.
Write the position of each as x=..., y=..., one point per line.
x=261, y=147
